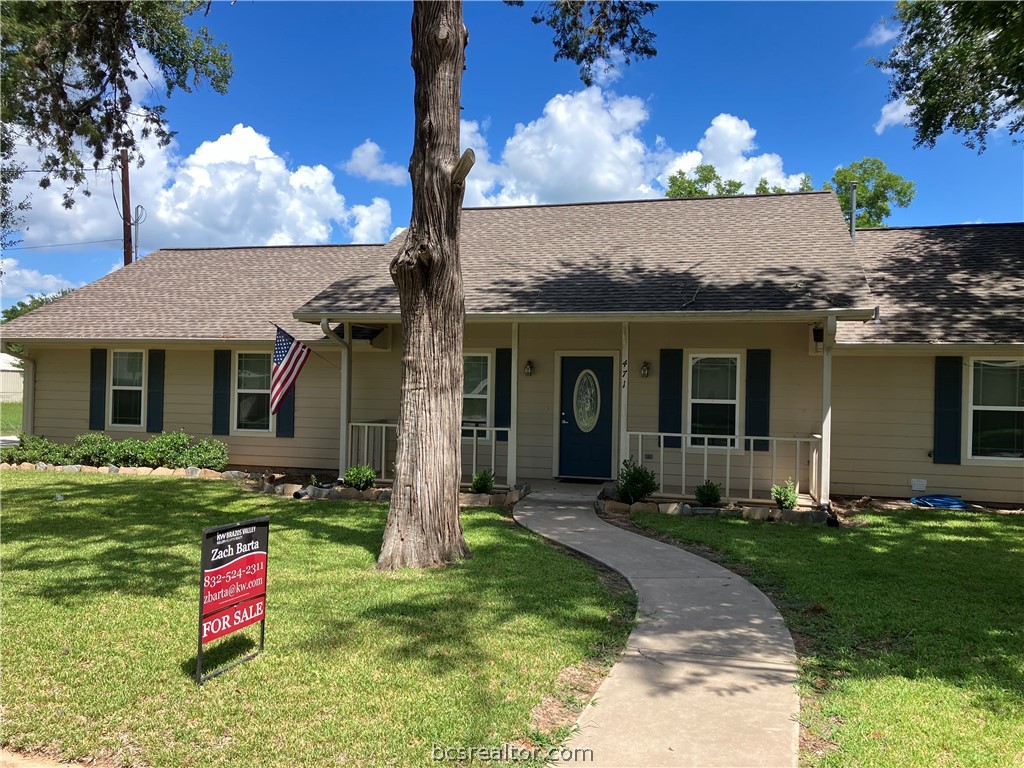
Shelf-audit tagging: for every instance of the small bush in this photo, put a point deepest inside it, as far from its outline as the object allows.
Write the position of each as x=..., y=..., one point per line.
x=483, y=482
x=168, y=449
x=636, y=482
x=708, y=494
x=785, y=495
x=360, y=477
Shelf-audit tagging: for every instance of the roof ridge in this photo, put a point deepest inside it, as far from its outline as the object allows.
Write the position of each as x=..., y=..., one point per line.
x=942, y=226
x=267, y=247
x=588, y=203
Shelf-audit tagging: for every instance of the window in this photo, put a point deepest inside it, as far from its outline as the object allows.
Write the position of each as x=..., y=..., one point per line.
x=127, y=376
x=252, y=392
x=997, y=409
x=714, y=398
x=476, y=393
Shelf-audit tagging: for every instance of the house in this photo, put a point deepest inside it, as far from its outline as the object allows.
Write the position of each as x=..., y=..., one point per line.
x=745, y=339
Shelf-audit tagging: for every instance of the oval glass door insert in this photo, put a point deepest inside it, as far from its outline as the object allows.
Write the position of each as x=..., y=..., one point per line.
x=586, y=400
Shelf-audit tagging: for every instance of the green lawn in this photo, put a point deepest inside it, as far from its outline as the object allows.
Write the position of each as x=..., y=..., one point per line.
x=10, y=418
x=100, y=600
x=910, y=630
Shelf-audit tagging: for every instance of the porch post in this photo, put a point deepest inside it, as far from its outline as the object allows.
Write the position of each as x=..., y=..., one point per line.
x=623, y=401
x=513, y=434
x=826, y=410
x=346, y=397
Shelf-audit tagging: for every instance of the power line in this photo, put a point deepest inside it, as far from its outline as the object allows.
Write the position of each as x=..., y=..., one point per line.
x=62, y=245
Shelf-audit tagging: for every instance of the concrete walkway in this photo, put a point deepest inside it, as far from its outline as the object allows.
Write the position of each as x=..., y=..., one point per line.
x=708, y=677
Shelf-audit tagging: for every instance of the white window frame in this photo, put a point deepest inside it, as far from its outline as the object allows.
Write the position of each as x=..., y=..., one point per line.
x=141, y=426
x=734, y=443
x=489, y=355
x=968, y=426
x=236, y=391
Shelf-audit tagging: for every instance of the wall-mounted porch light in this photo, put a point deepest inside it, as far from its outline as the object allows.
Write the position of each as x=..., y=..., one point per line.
x=528, y=368
x=645, y=369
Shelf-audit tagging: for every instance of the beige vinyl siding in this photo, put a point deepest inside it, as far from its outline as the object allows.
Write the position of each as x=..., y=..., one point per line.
x=883, y=412
x=61, y=393
x=62, y=406
x=795, y=409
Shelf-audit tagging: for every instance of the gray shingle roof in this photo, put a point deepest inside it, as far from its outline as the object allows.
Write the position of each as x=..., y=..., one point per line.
x=945, y=284
x=206, y=293
x=760, y=253
x=772, y=252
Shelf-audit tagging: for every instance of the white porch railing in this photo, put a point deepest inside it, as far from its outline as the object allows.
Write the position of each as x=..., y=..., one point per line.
x=375, y=443
x=739, y=466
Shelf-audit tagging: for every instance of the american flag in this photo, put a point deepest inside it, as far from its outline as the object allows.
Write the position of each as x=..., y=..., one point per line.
x=289, y=357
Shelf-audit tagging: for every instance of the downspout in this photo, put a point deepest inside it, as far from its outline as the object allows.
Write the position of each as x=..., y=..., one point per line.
x=346, y=388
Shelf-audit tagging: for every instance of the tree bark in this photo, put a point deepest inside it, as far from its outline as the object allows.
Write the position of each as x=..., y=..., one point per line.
x=423, y=527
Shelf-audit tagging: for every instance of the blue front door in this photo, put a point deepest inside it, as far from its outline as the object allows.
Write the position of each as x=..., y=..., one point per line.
x=585, y=424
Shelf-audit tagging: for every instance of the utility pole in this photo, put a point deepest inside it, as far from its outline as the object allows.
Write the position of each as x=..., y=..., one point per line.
x=126, y=208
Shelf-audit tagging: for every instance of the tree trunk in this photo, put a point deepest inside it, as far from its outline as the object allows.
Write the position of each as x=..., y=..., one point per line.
x=423, y=527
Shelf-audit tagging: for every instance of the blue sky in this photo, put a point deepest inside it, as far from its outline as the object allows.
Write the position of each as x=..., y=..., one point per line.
x=311, y=142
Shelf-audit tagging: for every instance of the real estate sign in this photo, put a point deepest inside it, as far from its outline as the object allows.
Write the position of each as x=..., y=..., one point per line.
x=233, y=584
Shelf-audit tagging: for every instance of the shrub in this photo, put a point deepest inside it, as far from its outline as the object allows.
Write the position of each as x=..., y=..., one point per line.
x=209, y=453
x=785, y=495
x=167, y=450
x=96, y=449
x=636, y=482
x=35, y=450
x=360, y=477
x=483, y=482
x=708, y=494
x=93, y=448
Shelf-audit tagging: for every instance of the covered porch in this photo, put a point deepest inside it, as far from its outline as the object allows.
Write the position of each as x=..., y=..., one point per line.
x=524, y=420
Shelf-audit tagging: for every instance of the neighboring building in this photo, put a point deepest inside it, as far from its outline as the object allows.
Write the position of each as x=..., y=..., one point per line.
x=11, y=379
x=735, y=339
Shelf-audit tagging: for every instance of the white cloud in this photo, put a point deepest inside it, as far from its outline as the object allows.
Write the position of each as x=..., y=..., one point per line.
x=585, y=146
x=880, y=34
x=728, y=143
x=893, y=113
x=371, y=221
x=17, y=282
x=367, y=161
x=608, y=71
x=233, y=190
x=588, y=146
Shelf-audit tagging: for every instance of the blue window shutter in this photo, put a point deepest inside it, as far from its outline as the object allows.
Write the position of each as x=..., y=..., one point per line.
x=948, y=392
x=286, y=415
x=155, y=391
x=97, y=388
x=758, y=396
x=502, y=391
x=670, y=394
x=221, y=391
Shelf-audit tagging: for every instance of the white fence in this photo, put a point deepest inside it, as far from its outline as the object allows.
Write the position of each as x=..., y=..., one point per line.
x=375, y=443
x=693, y=458
x=11, y=386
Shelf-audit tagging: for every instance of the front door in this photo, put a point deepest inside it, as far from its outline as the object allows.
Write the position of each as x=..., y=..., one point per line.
x=585, y=423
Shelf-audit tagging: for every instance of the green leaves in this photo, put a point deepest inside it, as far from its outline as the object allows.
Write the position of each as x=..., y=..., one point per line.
x=68, y=69
x=960, y=67
x=878, y=189
x=589, y=33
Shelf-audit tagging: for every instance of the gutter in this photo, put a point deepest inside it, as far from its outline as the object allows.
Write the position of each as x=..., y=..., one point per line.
x=793, y=316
